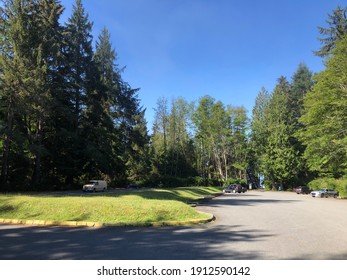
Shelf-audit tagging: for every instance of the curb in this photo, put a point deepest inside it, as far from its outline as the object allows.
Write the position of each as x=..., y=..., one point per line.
x=203, y=200
x=99, y=225
x=49, y=223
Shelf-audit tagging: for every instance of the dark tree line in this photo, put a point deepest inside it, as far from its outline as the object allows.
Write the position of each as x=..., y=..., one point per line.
x=66, y=113
x=67, y=116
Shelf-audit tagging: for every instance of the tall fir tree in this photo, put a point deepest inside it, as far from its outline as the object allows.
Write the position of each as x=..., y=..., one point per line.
x=81, y=83
x=101, y=113
x=336, y=30
x=301, y=83
x=280, y=160
x=259, y=122
x=49, y=35
x=121, y=119
x=325, y=117
x=28, y=62
x=259, y=132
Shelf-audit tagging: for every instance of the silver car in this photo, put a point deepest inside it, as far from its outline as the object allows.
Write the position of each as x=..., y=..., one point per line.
x=324, y=193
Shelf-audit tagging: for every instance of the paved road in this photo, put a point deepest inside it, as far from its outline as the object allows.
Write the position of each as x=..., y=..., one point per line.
x=254, y=225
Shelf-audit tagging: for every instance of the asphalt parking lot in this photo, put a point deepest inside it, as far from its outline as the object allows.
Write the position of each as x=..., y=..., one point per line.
x=255, y=225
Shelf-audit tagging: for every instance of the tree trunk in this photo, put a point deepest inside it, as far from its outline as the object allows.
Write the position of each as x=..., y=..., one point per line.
x=38, y=152
x=273, y=184
x=7, y=144
x=225, y=166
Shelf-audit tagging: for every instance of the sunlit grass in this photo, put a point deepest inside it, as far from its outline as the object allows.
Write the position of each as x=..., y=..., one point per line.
x=141, y=207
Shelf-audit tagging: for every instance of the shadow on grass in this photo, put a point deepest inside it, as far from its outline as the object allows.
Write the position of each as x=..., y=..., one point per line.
x=81, y=218
x=178, y=194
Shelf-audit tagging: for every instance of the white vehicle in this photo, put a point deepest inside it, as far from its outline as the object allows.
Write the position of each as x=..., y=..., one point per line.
x=95, y=185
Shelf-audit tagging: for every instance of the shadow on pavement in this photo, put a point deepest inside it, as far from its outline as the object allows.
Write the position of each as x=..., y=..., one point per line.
x=201, y=242
x=246, y=200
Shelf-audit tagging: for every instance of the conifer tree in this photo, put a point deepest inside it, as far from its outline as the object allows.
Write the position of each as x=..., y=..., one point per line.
x=81, y=76
x=325, y=117
x=28, y=59
x=80, y=55
x=48, y=39
x=336, y=30
x=280, y=158
x=301, y=83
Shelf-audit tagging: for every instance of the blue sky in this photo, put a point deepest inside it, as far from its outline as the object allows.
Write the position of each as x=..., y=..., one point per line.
x=227, y=49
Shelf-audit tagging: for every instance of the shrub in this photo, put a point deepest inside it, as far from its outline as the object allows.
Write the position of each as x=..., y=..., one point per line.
x=175, y=182
x=118, y=183
x=342, y=187
x=329, y=183
x=199, y=181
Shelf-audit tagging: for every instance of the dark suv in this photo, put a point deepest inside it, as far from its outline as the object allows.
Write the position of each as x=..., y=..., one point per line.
x=235, y=188
x=302, y=190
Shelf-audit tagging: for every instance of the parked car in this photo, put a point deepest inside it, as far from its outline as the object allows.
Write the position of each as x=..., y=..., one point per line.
x=234, y=188
x=134, y=186
x=325, y=193
x=302, y=190
x=230, y=188
x=95, y=185
x=240, y=189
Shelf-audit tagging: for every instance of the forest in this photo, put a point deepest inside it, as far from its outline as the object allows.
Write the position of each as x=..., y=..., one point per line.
x=68, y=116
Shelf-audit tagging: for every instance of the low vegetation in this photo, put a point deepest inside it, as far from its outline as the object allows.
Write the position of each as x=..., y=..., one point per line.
x=145, y=207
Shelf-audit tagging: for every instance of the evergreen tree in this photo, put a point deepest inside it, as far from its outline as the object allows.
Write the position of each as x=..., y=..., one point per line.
x=301, y=83
x=337, y=29
x=259, y=131
x=49, y=36
x=65, y=112
x=280, y=160
x=80, y=55
x=116, y=105
x=325, y=117
x=98, y=126
x=28, y=62
x=80, y=85
x=138, y=161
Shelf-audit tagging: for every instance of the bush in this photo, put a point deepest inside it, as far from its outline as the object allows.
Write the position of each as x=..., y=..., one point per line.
x=175, y=182
x=118, y=183
x=342, y=187
x=329, y=183
x=199, y=181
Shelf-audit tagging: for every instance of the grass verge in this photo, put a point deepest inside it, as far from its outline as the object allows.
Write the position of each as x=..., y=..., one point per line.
x=145, y=207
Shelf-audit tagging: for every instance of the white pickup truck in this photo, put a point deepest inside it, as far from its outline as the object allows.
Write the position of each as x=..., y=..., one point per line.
x=95, y=185
x=325, y=193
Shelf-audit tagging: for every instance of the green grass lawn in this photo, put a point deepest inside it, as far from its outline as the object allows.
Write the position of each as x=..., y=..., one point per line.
x=147, y=207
